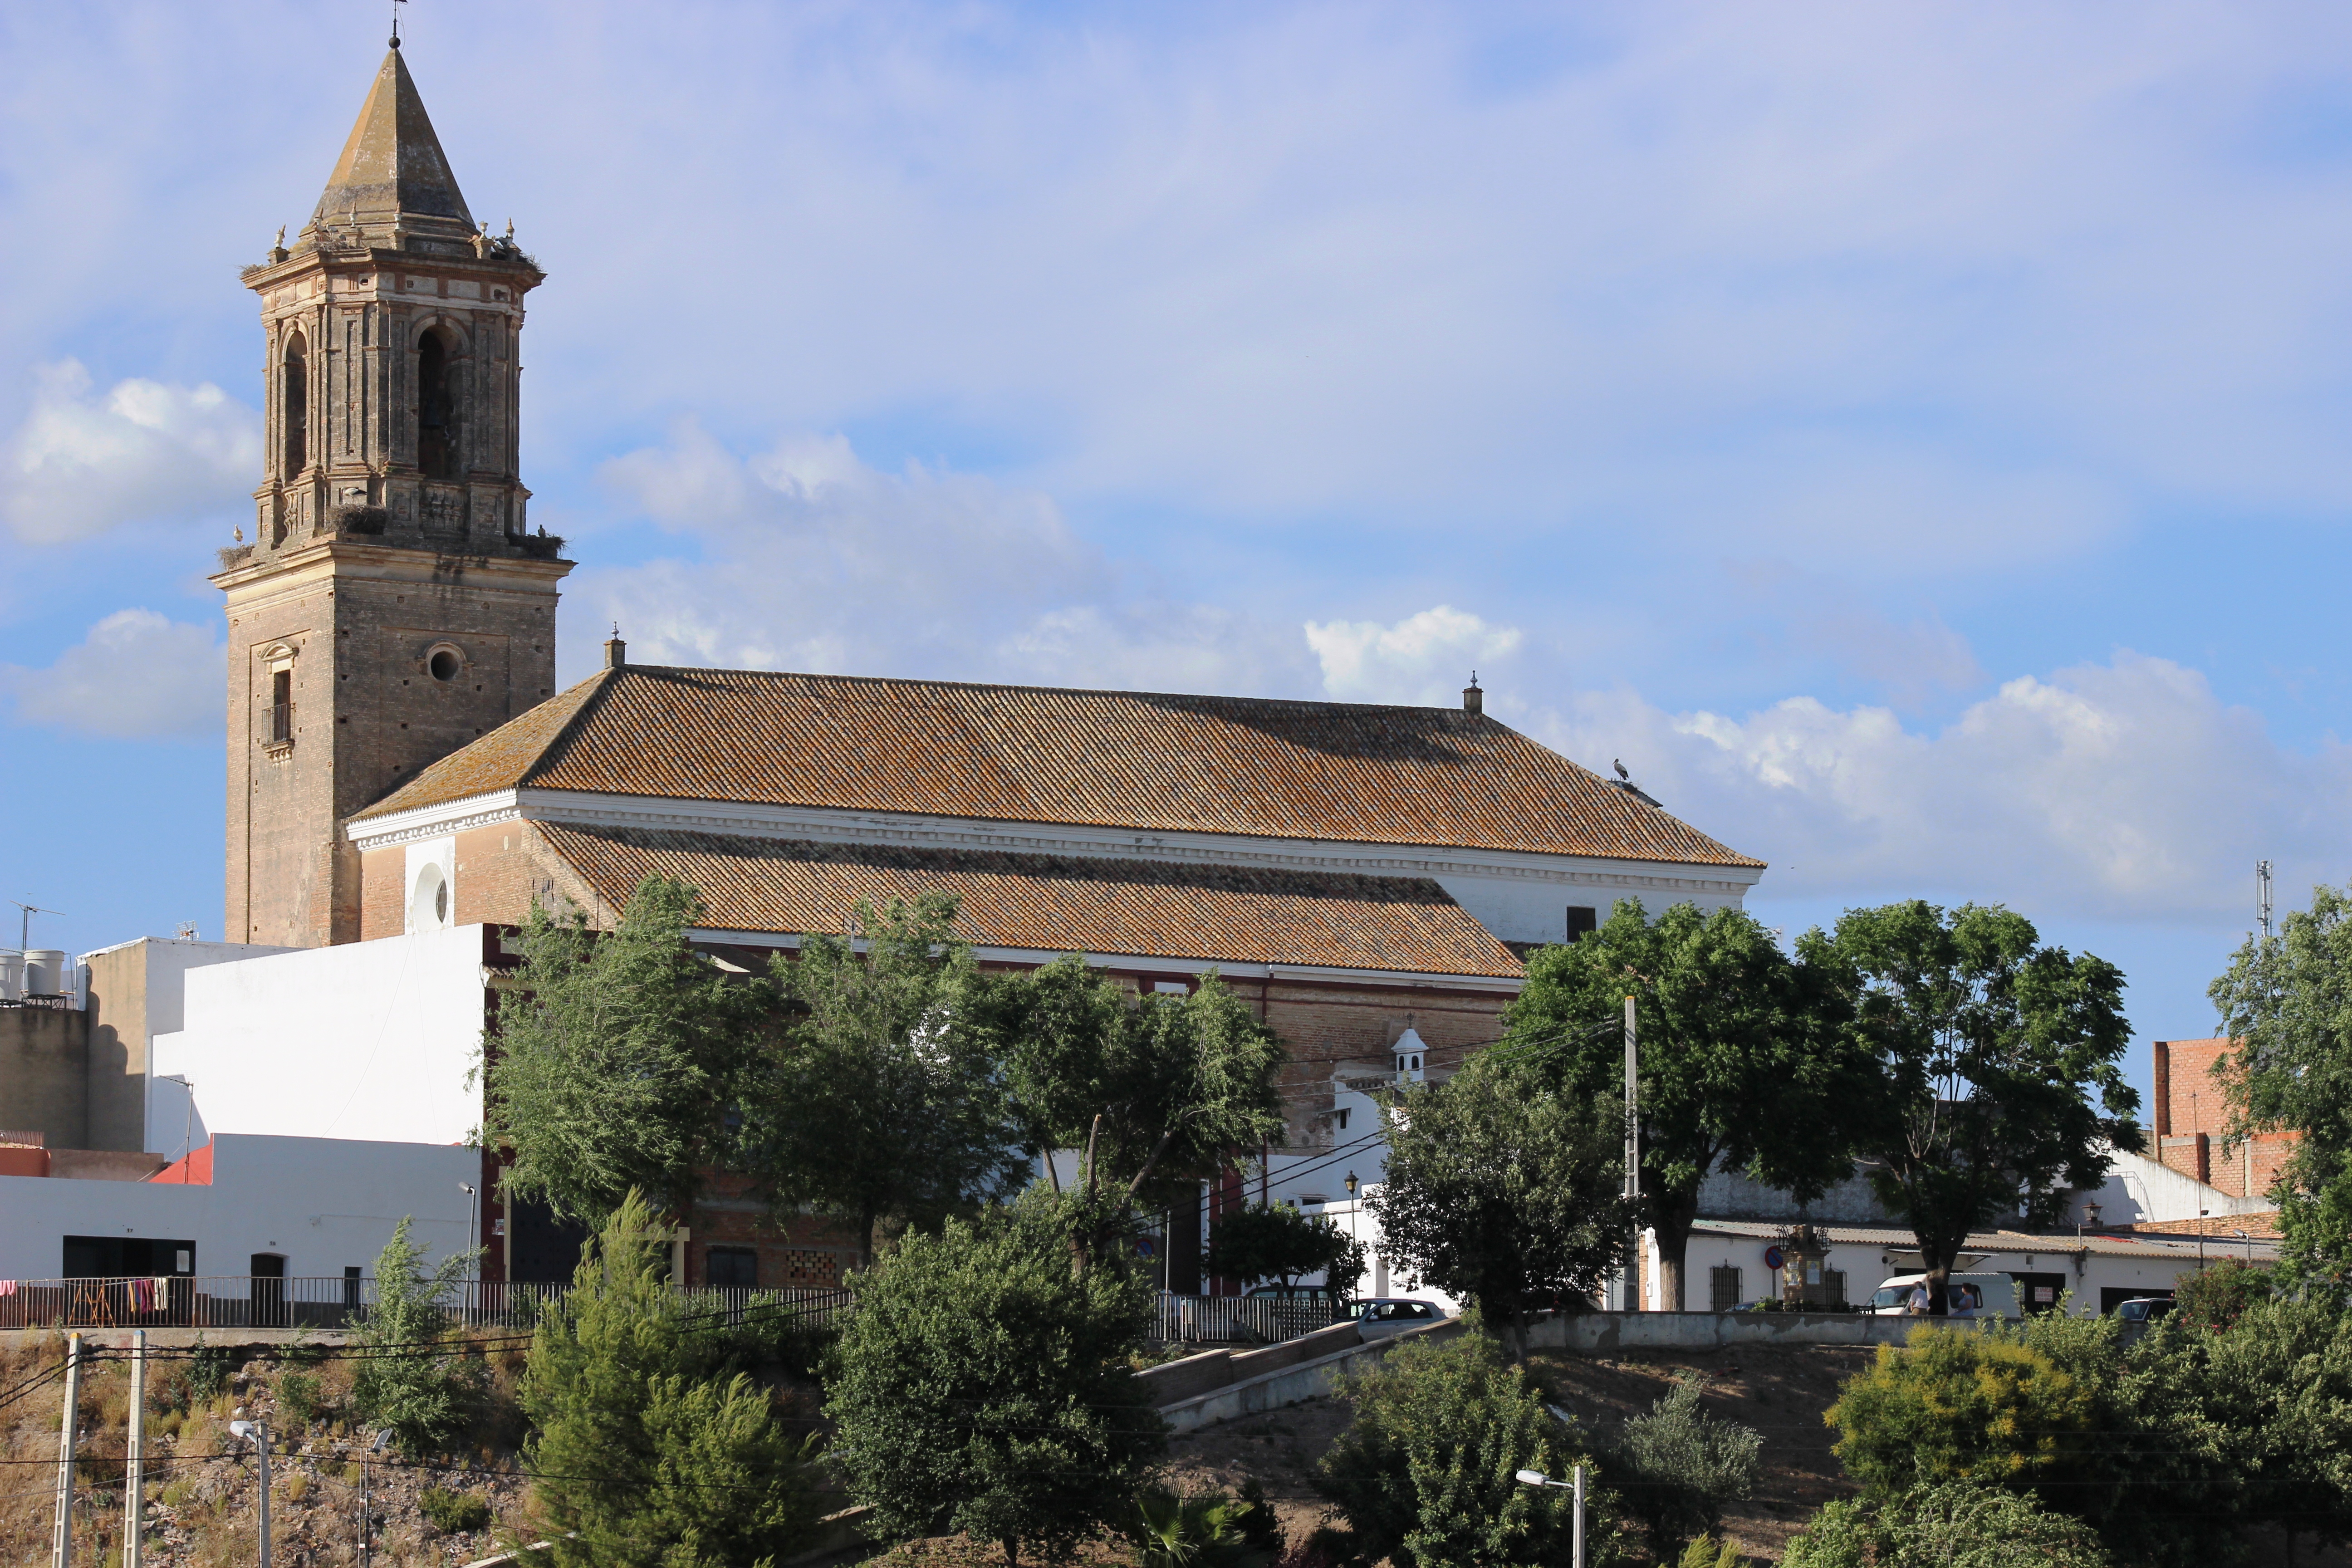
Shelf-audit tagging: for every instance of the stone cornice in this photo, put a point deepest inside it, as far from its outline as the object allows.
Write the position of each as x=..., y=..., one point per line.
x=900, y=830
x=407, y=562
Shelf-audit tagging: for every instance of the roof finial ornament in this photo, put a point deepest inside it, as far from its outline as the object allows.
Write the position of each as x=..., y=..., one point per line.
x=397, y=4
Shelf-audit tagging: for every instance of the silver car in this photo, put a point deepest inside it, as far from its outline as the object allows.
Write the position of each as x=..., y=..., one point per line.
x=1385, y=1315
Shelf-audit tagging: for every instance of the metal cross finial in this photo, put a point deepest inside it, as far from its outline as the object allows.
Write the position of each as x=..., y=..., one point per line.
x=397, y=4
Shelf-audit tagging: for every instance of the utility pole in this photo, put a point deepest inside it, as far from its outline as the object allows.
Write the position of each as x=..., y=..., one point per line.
x=1577, y=1560
x=134, y=1459
x=258, y=1434
x=1633, y=1159
x=61, y=1540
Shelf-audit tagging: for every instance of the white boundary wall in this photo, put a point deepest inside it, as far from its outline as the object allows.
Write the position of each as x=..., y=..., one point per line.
x=368, y=1040
x=324, y=1204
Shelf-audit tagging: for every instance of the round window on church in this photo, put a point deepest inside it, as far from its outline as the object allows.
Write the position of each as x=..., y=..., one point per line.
x=444, y=664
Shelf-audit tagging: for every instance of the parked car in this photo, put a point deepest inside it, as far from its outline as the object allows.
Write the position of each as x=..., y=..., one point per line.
x=1385, y=1315
x=2143, y=1309
x=1969, y=1296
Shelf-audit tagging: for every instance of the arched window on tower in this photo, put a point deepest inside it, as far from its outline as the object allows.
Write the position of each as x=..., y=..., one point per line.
x=295, y=407
x=436, y=432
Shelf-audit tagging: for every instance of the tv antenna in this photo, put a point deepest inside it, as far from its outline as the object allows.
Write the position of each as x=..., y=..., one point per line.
x=2263, y=896
x=24, y=931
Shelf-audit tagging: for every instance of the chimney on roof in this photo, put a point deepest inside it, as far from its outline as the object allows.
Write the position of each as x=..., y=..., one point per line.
x=616, y=652
x=1473, y=700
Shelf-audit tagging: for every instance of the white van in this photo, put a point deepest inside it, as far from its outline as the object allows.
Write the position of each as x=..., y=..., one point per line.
x=1969, y=1296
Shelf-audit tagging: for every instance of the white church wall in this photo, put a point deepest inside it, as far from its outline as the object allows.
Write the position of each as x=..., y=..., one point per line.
x=367, y=1040
x=323, y=1205
x=1532, y=909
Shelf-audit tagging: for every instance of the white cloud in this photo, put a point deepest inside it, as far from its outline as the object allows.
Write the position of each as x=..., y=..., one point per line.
x=1424, y=659
x=2126, y=790
x=136, y=676
x=79, y=465
x=806, y=558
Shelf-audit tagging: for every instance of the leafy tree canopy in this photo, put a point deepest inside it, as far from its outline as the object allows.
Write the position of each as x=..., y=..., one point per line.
x=1996, y=1082
x=1156, y=1090
x=878, y=1102
x=984, y=1382
x=645, y=1452
x=615, y=1059
x=1944, y=1524
x=2287, y=999
x=1743, y=1064
x=1277, y=1242
x=1503, y=1192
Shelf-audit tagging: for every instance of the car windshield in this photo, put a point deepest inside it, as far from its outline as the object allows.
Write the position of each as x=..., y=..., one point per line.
x=1890, y=1296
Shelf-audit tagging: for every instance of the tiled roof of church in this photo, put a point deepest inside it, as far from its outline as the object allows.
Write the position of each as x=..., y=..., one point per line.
x=1225, y=914
x=1141, y=760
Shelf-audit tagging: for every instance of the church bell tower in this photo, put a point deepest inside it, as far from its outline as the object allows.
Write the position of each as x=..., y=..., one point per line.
x=390, y=605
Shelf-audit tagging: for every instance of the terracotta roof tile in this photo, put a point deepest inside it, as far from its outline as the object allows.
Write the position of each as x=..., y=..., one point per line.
x=1225, y=914
x=1151, y=763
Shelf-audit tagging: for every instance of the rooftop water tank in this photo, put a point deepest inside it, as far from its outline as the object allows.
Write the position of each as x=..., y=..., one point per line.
x=45, y=971
x=12, y=977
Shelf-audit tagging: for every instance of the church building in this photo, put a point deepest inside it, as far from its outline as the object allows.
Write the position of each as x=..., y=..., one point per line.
x=402, y=763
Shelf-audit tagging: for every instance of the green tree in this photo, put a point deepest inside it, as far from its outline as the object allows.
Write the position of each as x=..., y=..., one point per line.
x=1156, y=1091
x=646, y=1451
x=1426, y=1472
x=1679, y=1465
x=1504, y=1191
x=414, y=1378
x=1743, y=1065
x=878, y=1104
x=2287, y=1001
x=1997, y=1083
x=983, y=1383
x=614, y=1061
x=1944, y=1524
x=1278, y=1242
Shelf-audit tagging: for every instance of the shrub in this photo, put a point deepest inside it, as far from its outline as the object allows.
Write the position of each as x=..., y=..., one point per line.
x=459, y=1513
x=2217, y=1297
x=1952, y=1524
x=1209, y=1530
x=1681, y=1465
x=419, y=1385
x=1961, y=1405
x=1427, y=1472
x=298, y=1397
x=208, y=1371
x=984, y=1378
x=1706, y=1552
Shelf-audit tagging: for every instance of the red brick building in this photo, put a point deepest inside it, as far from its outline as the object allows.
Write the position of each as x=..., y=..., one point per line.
x=2192, y=1122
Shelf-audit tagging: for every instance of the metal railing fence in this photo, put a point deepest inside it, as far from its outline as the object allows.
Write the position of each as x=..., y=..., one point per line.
x=265, y=1301
x=1247, y=1319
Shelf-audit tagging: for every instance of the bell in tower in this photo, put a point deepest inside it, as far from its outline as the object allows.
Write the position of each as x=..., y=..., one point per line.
x=392, y=605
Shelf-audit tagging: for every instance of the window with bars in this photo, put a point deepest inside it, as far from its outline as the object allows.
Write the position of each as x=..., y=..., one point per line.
x=1834, y=1278
x=1723, y=1287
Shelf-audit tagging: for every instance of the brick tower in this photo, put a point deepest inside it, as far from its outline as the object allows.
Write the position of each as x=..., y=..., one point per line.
x=390, y=607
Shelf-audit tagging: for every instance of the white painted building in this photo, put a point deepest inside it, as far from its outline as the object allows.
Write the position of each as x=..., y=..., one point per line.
x=372, y=1040
x=304, y=1207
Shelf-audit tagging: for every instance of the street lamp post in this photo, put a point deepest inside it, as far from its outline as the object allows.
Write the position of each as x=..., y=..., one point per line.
x=258, y=1434
x=1351, y=1217
x=1537, y=1479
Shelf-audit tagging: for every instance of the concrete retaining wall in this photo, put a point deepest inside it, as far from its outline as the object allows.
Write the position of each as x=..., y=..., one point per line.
x=1587, y=1331
x=1195, y=1374
x=1288, y=1385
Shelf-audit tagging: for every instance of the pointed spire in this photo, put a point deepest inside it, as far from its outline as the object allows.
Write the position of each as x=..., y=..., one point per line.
x=392, y=171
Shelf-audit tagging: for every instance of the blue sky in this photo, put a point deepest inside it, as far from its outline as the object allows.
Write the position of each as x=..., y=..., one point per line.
x=1911, y=438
